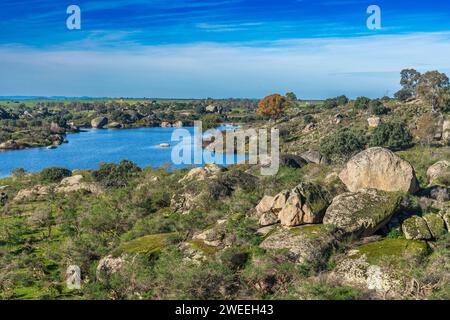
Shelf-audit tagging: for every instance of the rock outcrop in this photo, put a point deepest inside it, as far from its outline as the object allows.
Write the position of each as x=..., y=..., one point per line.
x=416, y=228
x=11, y=145
x=377, y=265
x=374, y=122
x=362, y=213
x=313, y=156
x=309, y=243
x=430, y=226
x=75, y=183
x=379, y=168
x=202, y=173
x=36, y=191
x=304, y=204
x=436, y=225
x=99, y=122
x=439, y=171
x=109, y=265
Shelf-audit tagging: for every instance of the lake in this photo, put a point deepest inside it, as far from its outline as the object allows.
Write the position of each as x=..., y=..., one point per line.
x=87, y=149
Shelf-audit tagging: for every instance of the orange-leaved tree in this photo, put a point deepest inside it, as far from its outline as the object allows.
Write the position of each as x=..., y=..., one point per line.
x=272, y=106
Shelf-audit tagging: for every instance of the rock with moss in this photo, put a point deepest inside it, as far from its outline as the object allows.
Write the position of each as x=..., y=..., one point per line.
x=213, y=236
x=381, y=266
x=109, y=265
x=362, y=213
x=446, y=216
x=416, y=228
x=304, y=204
x=303, y=244
x=435, y=224
x=439, y=173
x=379, y=168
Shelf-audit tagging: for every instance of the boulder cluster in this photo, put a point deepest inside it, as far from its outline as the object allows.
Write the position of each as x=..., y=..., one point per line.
x=308, y=226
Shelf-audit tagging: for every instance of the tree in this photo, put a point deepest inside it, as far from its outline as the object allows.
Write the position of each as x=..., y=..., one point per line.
x=434, y=88
x=409, y=81
x=272, y=106
x=427, y=128
x=342, y=100
x=290, y=96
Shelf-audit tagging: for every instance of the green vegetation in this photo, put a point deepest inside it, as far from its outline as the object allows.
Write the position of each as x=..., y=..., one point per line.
x=394, y=136
x=55, y=174
x=167, y=237
x=342, y=145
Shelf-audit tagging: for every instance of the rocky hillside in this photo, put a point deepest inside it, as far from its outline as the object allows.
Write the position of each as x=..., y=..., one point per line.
x=358, y=210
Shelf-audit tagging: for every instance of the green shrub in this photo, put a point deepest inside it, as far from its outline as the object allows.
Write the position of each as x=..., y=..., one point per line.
x=342, y=145
x=335, y=102
x=394, y=136
x=55, y=174
x=377, y=108
x=115, y=175
x=403, y=95
x=307, y=119
x=362, y=103
x=330, y=104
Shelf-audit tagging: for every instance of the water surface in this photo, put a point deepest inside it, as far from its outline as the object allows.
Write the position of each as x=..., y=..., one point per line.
x=87, y=149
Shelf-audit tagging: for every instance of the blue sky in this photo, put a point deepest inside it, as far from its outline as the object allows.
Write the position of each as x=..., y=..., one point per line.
x=218, y=48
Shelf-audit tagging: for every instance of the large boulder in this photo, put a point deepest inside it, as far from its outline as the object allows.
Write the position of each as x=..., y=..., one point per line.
x=379, y=168
x=380, y=265
x=99, y=122
x=416, y=228
x=362, y=213
x=439, y=171
x=309, y=243
x=304, y=204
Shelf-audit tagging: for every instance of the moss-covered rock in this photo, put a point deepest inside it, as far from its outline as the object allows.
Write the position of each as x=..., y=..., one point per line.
x=362, y=213
x=308, y=243
x=148, y=244
x=381, y=266
x=446, y=217
x=416, y=228
x=435, y=224
x=304, y=204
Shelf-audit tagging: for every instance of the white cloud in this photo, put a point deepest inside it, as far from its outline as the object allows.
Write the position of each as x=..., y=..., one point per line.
x=314, y=68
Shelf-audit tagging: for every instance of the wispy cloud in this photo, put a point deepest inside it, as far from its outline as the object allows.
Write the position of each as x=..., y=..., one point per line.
x=314, y=68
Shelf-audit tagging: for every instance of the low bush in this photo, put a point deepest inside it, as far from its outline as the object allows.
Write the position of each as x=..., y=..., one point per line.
x=115, y=175
x=55, y=174
x=394, y=136
x=342, y=145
